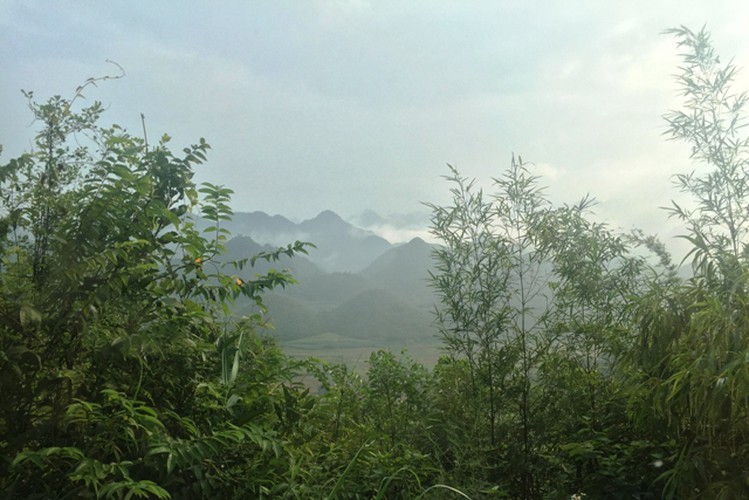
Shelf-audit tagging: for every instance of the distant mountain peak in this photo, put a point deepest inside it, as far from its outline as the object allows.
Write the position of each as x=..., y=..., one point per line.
x=325, y=220
x=340, y=246
x=328, y=215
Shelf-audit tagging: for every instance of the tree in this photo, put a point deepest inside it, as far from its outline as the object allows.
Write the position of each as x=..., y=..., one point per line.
x=491, y=278
x=534, y=306
x=694, y=335
x=119, y=366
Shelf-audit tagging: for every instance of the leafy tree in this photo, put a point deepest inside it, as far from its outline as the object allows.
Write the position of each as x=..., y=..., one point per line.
x=491, y=281
x=597, y=273
x=373, y=434
x=692, y=366
x=535, y=313
x=120, y=370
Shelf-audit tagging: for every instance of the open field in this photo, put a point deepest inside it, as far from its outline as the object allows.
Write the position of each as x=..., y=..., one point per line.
x=355, y=352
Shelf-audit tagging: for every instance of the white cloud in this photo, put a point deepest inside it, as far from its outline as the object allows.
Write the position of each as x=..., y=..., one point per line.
x=398, y=235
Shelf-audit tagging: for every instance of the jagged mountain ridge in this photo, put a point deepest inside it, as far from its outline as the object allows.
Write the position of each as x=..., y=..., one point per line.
x=340, y=246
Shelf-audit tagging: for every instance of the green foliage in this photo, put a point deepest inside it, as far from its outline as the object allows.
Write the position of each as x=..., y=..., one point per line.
x=374, y=435
x=121, y=372
x=397, y=397
x=625, y=380
x=692, y=366
x=535, y=316
x=576, y=361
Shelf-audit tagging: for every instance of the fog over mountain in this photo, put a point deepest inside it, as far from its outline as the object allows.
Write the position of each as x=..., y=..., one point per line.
x=355, y=290
x=342, y=246
x=395, y=227
x=339, y=245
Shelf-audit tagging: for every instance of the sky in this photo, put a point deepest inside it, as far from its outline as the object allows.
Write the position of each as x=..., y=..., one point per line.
x=353, y=104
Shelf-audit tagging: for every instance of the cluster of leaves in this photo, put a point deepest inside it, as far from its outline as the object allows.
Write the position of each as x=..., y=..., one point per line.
x=121, y=371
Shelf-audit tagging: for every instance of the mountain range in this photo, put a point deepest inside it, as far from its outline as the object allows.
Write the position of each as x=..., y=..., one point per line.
x=340, y=246
x=356, y=291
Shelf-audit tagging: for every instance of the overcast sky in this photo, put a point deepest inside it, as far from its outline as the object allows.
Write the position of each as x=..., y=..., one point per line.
x=353, y=104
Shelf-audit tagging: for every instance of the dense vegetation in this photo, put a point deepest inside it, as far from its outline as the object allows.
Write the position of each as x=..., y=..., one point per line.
x=577, y=359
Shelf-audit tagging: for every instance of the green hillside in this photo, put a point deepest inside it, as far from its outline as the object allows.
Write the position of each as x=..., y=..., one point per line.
x=379, y=315
x=328, y=289
x=404, y=271
x=388, y=304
